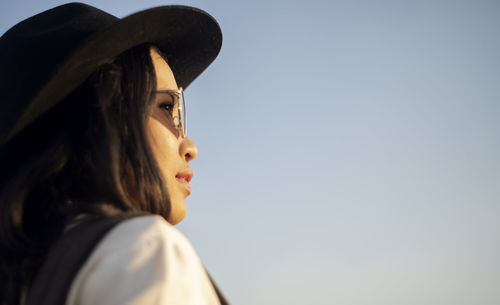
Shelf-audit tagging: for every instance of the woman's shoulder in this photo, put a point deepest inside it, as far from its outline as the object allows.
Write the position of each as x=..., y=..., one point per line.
x=143, y=231
x=143, y=260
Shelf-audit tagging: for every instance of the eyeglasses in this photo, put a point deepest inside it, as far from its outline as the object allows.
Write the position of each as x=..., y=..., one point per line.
x=178, y=109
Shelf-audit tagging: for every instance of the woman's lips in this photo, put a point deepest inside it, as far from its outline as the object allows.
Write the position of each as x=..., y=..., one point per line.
x=184, y=178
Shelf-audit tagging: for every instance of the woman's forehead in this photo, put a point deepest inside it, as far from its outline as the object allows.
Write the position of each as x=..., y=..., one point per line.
x=164, y=75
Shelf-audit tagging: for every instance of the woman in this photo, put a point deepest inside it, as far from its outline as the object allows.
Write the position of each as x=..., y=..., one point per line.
x=92, y=126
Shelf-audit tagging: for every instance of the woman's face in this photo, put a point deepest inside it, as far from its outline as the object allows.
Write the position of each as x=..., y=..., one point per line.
x=172, y=152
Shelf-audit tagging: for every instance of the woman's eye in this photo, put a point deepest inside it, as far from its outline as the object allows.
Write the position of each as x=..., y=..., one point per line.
x=169, y=107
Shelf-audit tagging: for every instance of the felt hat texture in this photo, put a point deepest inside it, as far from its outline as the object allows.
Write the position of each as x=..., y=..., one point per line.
x=47, y=56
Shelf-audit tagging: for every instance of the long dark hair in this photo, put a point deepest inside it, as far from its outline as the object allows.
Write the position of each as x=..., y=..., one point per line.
x=89, y=154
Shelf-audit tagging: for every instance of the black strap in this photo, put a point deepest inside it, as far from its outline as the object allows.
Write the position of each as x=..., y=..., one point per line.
x=67, y=256
x=221, y=297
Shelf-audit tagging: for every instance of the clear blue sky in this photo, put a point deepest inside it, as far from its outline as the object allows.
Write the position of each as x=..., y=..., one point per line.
x=349, y=150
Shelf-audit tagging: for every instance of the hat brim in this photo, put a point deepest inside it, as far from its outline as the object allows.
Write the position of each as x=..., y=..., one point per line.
x=189, y=37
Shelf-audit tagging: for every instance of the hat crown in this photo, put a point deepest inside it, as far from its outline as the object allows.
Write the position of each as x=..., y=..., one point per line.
x=53, y=32
x=35, y=47
x=63, y=19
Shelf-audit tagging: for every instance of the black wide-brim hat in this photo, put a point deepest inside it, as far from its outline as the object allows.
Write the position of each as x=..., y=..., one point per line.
x=47, y=56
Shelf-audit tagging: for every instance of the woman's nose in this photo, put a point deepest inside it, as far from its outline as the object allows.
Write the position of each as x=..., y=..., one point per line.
x=188, y=149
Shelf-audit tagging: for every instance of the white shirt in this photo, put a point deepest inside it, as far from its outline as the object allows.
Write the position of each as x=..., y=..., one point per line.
x=143, y=260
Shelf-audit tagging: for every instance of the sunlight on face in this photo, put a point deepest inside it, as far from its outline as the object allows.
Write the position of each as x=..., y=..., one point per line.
x=171, y=152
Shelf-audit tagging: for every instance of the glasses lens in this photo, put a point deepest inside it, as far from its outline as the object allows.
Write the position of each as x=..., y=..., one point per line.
x=178, y=108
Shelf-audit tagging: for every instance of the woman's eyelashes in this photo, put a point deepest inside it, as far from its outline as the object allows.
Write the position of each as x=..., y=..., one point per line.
x=168, y=106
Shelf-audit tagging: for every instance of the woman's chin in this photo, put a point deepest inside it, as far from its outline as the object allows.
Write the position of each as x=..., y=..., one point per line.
x=177, y=212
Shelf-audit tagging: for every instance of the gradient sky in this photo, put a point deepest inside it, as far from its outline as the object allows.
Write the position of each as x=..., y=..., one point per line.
x=349, y=150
